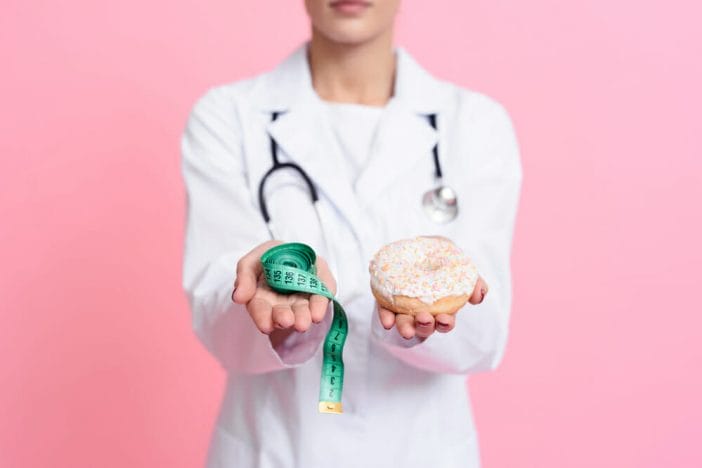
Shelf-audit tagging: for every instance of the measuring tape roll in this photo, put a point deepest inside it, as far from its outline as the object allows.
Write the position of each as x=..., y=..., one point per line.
x=291, y=268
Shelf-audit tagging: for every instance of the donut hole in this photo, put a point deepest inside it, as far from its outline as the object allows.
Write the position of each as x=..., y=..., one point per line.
x=430, y=263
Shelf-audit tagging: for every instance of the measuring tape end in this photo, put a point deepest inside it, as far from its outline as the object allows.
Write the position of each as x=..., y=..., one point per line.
x=330, y=407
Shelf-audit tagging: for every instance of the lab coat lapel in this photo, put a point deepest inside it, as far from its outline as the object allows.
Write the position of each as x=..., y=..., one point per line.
x=304, y=134
x=402, y=138
x=307, y=139
x=404, y=133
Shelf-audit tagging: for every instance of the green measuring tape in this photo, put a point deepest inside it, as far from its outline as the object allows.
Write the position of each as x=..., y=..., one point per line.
x=291, y=268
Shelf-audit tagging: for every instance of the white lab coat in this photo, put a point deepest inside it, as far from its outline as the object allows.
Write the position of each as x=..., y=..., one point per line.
x=404, y=401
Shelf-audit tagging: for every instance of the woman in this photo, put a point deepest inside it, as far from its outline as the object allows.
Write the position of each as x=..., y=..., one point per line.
x=352, y=111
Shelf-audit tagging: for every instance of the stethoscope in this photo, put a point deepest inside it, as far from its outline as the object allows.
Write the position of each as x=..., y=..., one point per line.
x=440, y=203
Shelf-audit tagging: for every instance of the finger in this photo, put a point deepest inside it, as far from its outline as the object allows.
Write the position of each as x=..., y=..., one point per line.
x=248, y=269
x=387, y=317
x=283, y=316
x=318, y=307
x=325, y=275
x=479, y=291
x=424, y=324
x=260, y=312
x=303, y=319
x=405, y=325
x=445, y=322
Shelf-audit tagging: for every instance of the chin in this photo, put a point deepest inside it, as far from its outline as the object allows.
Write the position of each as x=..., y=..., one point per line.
x=348, y=34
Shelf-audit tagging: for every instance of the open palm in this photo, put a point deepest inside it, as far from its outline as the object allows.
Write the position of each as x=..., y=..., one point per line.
x=270, y=310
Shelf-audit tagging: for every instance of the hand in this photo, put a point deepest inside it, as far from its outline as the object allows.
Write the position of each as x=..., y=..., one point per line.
x=424, y=324
x=276, y=314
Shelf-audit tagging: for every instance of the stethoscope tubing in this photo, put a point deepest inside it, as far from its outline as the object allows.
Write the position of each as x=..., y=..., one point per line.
x=312, y=189
x=311, y=186
x=435, y=151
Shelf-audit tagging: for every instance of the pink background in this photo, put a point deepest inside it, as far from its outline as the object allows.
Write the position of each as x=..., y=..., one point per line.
x=99, y=366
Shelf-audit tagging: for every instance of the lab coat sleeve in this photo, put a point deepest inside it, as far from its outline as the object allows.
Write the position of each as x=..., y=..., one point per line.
x=222, y=225
x=478, y=340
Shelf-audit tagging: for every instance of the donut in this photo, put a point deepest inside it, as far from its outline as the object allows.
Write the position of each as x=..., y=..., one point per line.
x=423, y=273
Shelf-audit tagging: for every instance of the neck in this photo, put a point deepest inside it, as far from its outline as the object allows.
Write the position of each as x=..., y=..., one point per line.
x=353, y=73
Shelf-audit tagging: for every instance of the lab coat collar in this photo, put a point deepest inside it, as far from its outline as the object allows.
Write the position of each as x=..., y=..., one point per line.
x=290, y=84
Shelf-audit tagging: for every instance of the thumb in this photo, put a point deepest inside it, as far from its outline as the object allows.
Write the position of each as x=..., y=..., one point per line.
x=248, y=269
x=244, y=287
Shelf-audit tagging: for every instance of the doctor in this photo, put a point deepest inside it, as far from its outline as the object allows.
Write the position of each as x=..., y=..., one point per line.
x=353, y=112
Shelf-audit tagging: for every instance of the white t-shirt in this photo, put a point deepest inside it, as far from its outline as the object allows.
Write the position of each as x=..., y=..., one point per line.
x=354, y=126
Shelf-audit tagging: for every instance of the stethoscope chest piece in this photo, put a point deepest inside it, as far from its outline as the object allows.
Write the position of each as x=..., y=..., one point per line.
x=440, y=204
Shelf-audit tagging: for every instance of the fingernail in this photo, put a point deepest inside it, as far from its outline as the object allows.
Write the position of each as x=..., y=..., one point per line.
x=483, y=291
x=233, y=294
x=424, y=324
x=442, y=324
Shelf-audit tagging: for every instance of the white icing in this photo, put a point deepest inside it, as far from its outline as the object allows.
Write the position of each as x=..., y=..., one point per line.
x=426, y=268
